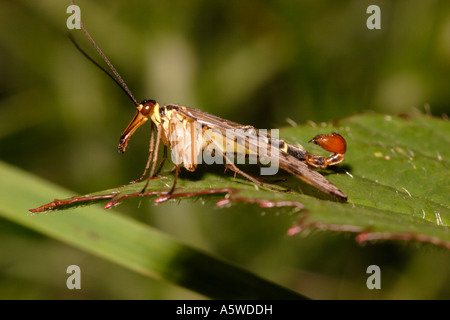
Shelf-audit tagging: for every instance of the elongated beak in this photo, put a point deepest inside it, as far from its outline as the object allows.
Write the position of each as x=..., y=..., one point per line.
x=138, y=120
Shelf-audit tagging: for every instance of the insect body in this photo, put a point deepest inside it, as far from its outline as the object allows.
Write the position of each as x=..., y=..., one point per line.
x=197, y=130
x=189, y=132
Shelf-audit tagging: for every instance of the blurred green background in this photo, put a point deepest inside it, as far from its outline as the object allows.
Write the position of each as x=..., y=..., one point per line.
x=253, y=62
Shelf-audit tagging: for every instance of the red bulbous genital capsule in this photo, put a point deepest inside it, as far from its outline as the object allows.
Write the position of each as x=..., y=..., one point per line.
x=331, y=142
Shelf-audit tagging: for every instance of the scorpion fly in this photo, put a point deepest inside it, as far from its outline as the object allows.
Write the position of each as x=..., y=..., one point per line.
x=191, y=131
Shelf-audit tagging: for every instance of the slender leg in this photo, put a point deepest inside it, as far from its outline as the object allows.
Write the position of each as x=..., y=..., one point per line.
x=259, y=179
x=155, y=158
x=230, y=165
x=169, y=194
x=177, y=171
x=155, y=155
x=150, y=154
x=161, y=164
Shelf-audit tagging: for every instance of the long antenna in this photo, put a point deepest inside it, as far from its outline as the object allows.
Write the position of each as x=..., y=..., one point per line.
x=118, y=78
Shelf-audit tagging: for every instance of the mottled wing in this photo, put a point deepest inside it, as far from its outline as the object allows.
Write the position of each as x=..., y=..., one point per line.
x=185, y=138
x=288, y=162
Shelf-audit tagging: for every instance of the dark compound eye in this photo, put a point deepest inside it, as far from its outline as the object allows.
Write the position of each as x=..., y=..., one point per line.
x=147, y=106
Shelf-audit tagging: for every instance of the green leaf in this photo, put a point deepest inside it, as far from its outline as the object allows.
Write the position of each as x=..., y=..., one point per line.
x=395, y=174
x=130, y=243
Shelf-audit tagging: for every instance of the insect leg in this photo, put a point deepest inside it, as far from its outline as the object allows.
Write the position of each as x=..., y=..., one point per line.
x=234, y=168
x=177, y=170
x=155, y=157
x=162, y=160
x=150, y=154
x=169, y=194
